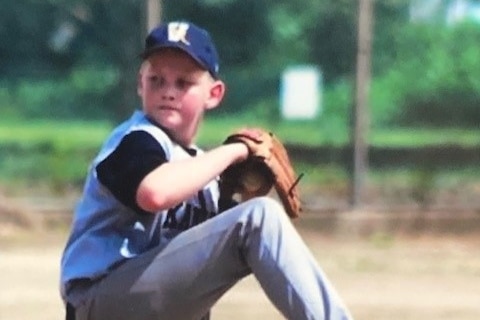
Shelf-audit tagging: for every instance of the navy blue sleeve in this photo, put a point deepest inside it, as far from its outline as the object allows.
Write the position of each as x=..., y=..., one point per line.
x=122, y=171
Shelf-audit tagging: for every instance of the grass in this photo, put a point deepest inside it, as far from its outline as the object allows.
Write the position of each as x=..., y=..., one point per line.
x=408, y=137
x=311, y=133
x=63, y=134
x=58, y=152
x=307, y=133
x=67, y=134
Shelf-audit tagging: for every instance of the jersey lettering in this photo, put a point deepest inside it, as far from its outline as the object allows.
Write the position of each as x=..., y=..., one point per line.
x=191, y=215
x=171, y=220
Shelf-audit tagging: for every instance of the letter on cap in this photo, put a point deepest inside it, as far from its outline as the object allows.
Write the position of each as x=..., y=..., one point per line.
x=177, y=32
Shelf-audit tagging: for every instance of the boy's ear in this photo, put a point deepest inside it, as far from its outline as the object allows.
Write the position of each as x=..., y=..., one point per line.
x=217, y=91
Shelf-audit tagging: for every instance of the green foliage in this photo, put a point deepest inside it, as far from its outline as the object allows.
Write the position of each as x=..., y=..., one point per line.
x=24, y=31
x=320, y=133
x=423, y=184
x=423, y=74
x=43, y=98
x=423, y=137
x=78, y=95
x=216, y=128
x=45, y=165
x=239, y=38
x=58, y=153
x=291, y=36
x=333, y=39
x=51, y=152
x=336, y=115
x=65, y=135
x=434, y=81
x=332, y=35
x=92, y=80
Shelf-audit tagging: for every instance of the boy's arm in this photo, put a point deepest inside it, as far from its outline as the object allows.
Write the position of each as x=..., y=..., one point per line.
x=176, y=181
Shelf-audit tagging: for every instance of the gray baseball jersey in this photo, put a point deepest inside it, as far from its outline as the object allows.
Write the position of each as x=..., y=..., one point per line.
x=108, y=227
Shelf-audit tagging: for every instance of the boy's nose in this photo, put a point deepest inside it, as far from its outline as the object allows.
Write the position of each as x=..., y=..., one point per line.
x=168, y=93
x=167, y=97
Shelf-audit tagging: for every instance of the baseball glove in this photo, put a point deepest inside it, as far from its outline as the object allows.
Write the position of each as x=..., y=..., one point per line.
x=267, y=166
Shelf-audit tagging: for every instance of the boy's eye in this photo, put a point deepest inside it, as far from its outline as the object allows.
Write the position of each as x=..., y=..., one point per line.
x=183, y=83
x=154, y=80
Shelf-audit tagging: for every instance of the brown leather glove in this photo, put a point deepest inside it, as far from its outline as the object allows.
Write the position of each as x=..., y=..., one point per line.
x=267, y=165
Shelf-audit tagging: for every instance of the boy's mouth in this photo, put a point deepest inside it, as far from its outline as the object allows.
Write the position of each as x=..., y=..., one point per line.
x=167, y=108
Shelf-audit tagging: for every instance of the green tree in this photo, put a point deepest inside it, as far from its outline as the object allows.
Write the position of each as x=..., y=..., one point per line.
x=333, y=36
x=46, y=42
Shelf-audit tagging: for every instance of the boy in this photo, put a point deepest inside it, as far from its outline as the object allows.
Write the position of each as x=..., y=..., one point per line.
x=151, y=236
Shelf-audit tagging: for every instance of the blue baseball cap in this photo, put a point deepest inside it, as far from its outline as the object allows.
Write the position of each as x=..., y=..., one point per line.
x=188, y=37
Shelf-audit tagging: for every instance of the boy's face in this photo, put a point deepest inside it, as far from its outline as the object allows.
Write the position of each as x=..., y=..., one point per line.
x=176, y=91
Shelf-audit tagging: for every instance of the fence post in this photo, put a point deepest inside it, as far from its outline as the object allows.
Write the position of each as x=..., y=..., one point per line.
x=361, y=110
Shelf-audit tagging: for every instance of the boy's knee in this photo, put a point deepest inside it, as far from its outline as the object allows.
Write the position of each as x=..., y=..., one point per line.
x=265, y=211
x=267, y=203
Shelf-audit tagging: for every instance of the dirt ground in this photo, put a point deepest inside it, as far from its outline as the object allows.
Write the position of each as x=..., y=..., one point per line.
x=380, y=275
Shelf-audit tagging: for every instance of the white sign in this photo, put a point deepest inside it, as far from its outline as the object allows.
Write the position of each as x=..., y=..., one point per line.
x=300, y=92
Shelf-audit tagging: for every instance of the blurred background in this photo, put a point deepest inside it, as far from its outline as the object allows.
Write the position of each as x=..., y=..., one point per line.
x=384, y=115
x=377, y=101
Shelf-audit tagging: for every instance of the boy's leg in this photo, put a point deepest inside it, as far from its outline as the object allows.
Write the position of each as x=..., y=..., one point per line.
x=186, y=278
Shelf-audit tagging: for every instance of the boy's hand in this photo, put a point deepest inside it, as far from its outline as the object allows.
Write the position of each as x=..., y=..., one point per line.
x=258, y=142
x=267, y=166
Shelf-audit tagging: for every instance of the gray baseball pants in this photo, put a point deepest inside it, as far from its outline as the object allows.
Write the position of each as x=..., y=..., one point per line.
x=184, y=279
